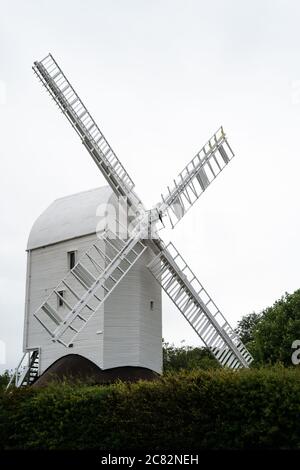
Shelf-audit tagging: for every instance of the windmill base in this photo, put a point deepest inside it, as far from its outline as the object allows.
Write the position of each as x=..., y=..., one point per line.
x=74, y=368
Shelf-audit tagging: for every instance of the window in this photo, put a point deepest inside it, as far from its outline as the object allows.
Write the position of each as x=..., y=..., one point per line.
x=151, y=305
x=60, y=298
x=71, y=259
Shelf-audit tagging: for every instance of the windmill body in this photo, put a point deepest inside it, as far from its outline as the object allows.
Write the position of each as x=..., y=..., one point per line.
x=106, y=304
x=126, y=330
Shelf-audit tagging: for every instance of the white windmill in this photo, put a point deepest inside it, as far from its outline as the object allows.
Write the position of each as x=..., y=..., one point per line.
x=100, y=297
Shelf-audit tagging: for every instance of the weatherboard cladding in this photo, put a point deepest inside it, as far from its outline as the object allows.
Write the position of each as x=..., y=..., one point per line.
x=124, y=331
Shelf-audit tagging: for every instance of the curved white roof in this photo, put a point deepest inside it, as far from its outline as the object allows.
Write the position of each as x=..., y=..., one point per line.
x=69, y=217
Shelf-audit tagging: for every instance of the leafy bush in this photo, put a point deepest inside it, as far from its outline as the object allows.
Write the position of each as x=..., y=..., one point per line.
x=187, y=357
x=220, y=409
x=4, y=379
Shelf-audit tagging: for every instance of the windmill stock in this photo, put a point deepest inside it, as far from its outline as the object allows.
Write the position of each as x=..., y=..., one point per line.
x=101, y=272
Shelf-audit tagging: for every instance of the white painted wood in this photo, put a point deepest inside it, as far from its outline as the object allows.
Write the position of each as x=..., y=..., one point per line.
x=69, y=217
x=48, y=266
x=125, y=331
x=132, y=332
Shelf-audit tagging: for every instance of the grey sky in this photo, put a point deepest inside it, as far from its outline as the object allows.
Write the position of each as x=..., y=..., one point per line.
x=159, y=77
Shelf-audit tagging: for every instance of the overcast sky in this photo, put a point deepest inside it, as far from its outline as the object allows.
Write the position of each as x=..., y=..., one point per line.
x=159, y=76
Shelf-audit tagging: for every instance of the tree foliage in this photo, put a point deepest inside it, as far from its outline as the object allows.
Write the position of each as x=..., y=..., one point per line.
x=247, y=326
x=4, y=379
x=270, y=334
x=187, y=357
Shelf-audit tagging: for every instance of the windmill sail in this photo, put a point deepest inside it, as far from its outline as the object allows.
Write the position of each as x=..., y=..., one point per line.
x=195, y=178
x=80, y=294
x=60, y=89
x=190, y=297
x=88, y=285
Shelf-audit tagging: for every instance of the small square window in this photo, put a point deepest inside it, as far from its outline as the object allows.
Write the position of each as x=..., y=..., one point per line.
x=151, y=305
x=60, y=298
x=71, y=259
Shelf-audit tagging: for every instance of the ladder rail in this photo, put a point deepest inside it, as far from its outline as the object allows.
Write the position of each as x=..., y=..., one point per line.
x=13, y=377
x=26, y=374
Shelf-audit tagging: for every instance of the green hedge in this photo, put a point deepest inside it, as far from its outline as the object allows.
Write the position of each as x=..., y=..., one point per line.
x=218, y=409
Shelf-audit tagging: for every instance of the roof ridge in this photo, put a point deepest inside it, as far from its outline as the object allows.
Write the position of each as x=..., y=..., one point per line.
x=82, y=192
